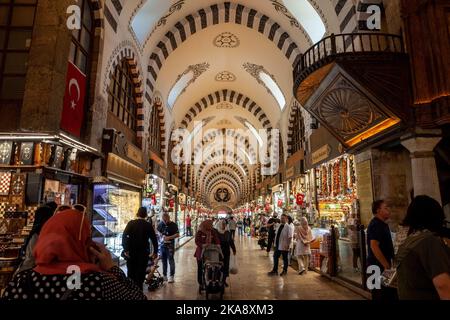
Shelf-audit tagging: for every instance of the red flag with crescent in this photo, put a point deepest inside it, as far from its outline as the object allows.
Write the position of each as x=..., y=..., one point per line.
x=73, y=108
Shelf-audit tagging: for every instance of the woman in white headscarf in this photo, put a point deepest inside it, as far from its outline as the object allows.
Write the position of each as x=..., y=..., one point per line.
x=304, y=238
x=226, y=243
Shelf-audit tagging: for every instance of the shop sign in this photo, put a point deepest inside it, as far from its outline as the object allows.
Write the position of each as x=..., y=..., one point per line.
x=321, y=154
x=290, y=172
x=133, y=153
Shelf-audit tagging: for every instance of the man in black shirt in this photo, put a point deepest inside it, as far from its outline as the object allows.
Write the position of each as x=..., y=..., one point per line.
x=271, y=231
x=380, y=247
x=136, y=246
x=169, y=232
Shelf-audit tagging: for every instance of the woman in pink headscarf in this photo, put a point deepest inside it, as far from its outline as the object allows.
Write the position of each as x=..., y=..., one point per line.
x=205, y=235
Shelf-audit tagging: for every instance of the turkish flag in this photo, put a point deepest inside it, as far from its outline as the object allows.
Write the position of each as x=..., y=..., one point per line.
x=73, y=109
x=300, y=199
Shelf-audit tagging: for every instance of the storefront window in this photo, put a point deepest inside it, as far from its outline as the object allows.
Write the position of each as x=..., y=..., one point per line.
x=113, y=208
x=62, y=194
x=16, y=27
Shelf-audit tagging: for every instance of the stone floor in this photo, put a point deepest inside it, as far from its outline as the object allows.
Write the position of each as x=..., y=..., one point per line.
x=252, y=282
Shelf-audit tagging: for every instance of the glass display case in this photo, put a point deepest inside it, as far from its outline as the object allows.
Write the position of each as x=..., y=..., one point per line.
x=112, y=210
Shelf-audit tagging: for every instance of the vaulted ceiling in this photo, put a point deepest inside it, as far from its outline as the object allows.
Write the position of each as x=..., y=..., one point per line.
x=222, y=62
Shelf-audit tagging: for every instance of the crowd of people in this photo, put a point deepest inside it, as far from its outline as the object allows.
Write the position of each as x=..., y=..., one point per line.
x=61, y=262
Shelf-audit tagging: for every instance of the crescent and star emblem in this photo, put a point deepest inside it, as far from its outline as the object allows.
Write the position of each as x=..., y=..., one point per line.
x=74, y=82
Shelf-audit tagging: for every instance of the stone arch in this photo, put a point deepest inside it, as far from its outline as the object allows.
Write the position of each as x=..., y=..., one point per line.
x=225, y=12
x=227, y=96
x=126, y=50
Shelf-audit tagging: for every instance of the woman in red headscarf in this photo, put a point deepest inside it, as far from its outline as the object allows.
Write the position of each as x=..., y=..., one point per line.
x=205, y=235
x=70, y=266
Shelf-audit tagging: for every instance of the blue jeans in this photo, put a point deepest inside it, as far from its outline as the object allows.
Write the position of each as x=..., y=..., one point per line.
x=276, y=257
x=167, y=253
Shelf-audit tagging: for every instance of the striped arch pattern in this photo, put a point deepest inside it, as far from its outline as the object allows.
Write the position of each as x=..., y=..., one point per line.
x=222, y=167
x=216, y=176
x=124, y=51
x=346, y=13
x=215, y=14
x=294, y=108
x=224, y=181
x=201, y=175
x=98, y=17
x=158, y=106
x=226, y=96
x=220, y=178
x=217, y=133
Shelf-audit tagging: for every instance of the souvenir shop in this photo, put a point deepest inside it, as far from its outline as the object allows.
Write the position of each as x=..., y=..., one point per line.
x=153, y=195
x=35, y=169
x=337, y=219
x=117, y=194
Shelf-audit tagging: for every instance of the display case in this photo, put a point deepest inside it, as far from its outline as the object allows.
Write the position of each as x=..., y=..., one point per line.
x=113, y=208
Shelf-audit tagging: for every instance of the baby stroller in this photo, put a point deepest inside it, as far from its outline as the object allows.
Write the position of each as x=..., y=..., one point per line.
x=154, y=280
x=263, y=238
x=213, y=279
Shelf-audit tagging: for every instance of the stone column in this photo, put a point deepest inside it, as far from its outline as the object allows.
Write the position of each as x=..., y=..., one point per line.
x=47, y=68
x=423, y=163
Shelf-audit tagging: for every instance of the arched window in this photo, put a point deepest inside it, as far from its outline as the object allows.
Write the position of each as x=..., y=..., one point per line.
x=298, y=133
x=16, y=28
x=122, y=97
x=155, y=130
x=80, y=48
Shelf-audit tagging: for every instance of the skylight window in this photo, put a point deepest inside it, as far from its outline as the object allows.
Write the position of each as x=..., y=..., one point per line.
x=146, y=19
x=184, y=80
x=274, y=89
x=179, y=87
x=308, y=17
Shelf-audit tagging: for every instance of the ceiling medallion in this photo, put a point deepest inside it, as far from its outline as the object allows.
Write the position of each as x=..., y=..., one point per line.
x=222, y=195
x=226, y=40
x=224, y=106
x=225, y=76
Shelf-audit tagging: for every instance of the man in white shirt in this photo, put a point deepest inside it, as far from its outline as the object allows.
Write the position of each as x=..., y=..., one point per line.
x=283, y=240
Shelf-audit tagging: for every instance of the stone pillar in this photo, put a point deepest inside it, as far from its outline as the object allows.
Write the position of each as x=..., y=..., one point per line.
x=423, y=164
x=47, y=67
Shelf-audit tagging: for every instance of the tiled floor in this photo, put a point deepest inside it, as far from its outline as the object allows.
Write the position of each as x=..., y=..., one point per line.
x=252, y=282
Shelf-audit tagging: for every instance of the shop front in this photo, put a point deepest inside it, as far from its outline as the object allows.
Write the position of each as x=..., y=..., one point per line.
x=117, y=194
x=331, y=187
x=35, y=169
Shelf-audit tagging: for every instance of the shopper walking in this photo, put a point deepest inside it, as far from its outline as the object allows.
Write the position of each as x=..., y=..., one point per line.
x=423, y=260
x=188, y=226
x=283, y=241
x=42, y=215
x=271, y=227
x=65, y=243
x=240, y=225
x=169, y=232
x=232, y=225
x=136, y=246
x=226, y=244
x=304, y=238
x=380, y=247
x=205, y=236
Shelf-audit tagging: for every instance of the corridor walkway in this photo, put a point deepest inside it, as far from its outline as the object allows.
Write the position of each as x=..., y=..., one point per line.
x=252, y=282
